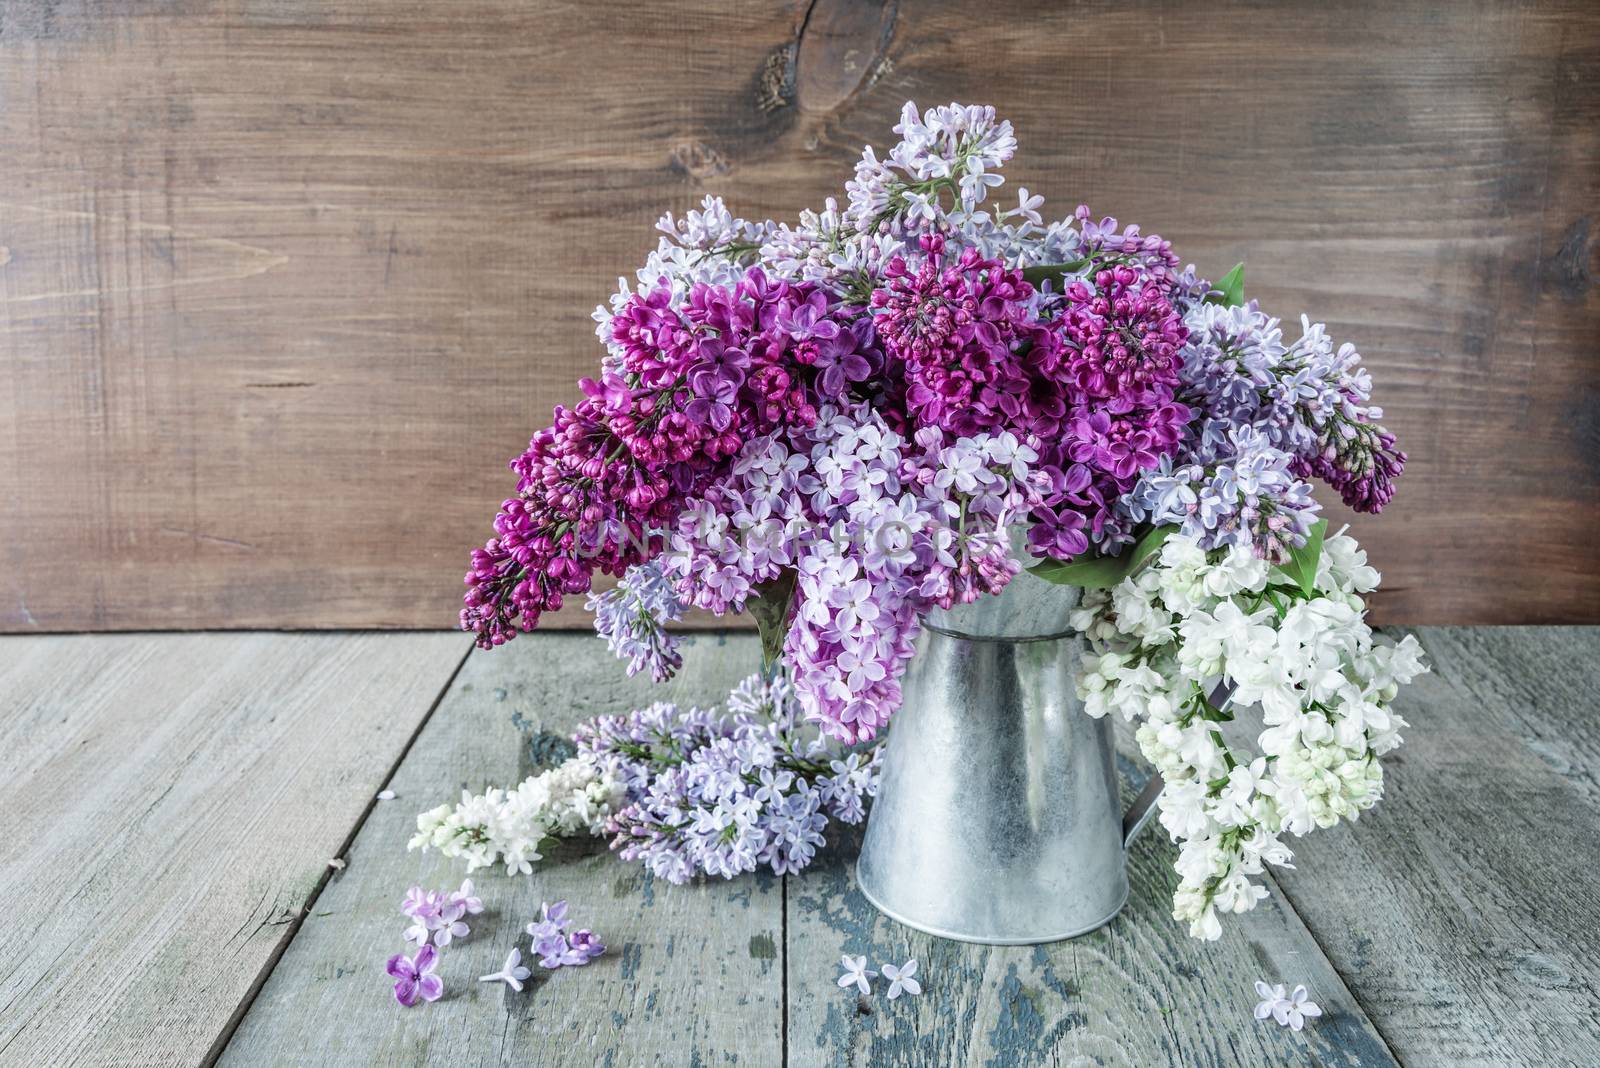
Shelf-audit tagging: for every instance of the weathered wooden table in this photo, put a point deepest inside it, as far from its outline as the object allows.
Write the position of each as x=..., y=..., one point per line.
x=174, y=800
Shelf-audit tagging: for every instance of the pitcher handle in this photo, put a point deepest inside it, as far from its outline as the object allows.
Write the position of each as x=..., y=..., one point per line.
x=1143, y=807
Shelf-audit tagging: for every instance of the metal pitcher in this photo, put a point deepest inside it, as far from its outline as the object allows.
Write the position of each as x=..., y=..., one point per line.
x=997, y=818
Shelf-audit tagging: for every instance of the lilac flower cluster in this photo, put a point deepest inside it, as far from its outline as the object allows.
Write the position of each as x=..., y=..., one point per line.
x=957, y=331
x=877, y=530
x=632, y=618
x=1268, y=416
x=439, y=915
x=689, y=382
x=557, y=947
x=832, y=422
x=1249, y=496
x=724, y=794
x=437, y=919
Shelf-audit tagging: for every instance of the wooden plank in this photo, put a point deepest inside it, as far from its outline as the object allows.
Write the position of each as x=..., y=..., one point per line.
x=693, y=974
x=180, y=798
x=1139, y=991
x=257, y=257
x=1462, y=911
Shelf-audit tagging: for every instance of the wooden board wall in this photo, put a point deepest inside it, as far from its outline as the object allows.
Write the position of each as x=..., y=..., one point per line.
x=283, y=283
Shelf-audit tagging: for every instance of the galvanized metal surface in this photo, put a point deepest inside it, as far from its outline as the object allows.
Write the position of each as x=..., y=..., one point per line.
x=997, y=820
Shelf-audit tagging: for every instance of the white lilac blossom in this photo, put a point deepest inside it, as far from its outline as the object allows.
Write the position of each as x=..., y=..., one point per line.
x=1166, y=637
x=856, y=974
x=633, y=618
x=507, y=827
x=725, y=794
x=902, y=979
x=512, y=973
x=1290, y=1010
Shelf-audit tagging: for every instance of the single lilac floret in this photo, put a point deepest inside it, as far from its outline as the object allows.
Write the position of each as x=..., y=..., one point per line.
x=902, y=979
x=414, y=978
x=856, y=974
x=512, y=973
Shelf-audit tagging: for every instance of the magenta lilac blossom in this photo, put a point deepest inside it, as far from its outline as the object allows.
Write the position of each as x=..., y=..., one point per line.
x=414, y=978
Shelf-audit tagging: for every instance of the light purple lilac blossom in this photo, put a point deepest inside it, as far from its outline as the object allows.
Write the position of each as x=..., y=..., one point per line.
x=902, y=979
x=1290, y=1010
x=854, y=406
x=725, y=794
x=555, y=946
x=1269, y=416
x=878, y=530
x=438, y=914
x=633, y=619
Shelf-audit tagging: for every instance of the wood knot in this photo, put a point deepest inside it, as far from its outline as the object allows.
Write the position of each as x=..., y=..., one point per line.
x=775, y=86
x=1570, y=268
x=698, y=160
x=842, y=46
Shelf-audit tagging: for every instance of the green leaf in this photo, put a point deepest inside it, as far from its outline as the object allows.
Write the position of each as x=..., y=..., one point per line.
x=1035, y=275
x=769, y=607
x=1301, y=566
x=1230, y=290
x=1102, y=572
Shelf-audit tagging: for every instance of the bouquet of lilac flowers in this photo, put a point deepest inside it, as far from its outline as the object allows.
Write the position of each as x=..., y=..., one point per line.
x=833, y=424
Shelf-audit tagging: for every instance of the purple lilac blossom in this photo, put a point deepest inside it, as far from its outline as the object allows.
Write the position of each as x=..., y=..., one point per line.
x=1267, y=417
x=1249, y=498
x=555, y=946
x=957, y=329
x=724, y=794
x=877, y=530
x=633, y=619
x=691, y=380
x=414, y=978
